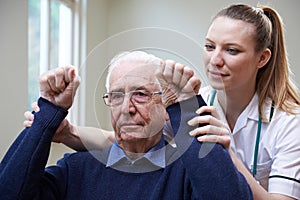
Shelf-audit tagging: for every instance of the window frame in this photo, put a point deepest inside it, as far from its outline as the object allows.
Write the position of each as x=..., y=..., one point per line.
x=77, y=48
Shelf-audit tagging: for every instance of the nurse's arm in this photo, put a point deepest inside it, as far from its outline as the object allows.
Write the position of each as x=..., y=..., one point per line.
x=83, y=138
x=76, y=137
x=258, y=191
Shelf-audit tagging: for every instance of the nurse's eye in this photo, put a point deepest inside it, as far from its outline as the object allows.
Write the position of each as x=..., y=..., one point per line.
x=209, y=47
x=233, y=51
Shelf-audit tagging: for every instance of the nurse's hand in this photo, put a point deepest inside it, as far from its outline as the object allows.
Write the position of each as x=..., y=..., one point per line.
x=29, y=117
x=215, y=131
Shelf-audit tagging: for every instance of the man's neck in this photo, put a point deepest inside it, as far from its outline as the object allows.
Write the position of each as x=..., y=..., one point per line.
x=137, y=148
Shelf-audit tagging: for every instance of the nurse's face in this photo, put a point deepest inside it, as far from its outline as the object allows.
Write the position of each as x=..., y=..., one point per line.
x=229, y=55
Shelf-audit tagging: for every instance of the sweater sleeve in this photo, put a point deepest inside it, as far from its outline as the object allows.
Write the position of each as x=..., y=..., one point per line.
x=22, y=168
x=208, y=165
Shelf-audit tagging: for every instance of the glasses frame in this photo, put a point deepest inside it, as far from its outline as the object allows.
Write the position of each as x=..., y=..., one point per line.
x=106, y=96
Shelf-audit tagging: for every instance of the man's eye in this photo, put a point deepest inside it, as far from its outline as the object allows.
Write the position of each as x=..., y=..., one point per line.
x=140, y=94
x=116, y=95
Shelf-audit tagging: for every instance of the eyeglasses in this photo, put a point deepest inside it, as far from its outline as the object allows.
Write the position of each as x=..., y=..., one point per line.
x=137, y=96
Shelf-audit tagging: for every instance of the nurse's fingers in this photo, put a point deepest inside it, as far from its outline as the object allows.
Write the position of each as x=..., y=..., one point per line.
x=29, y=117
x=207, y=119
x=208, y=109
x=224, y=140
x=209, y=129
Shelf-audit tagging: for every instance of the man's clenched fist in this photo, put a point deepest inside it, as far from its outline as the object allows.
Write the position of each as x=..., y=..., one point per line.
x=59, y=86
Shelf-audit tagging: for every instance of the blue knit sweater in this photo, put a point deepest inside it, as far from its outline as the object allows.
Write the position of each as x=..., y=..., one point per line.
x=194, y=170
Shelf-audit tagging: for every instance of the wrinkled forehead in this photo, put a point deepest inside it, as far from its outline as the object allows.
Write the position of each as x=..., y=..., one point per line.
x=130, y=75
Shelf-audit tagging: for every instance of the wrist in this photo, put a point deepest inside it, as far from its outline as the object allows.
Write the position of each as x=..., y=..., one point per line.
x=170, y=101
x=185, y=96
x=169, y=97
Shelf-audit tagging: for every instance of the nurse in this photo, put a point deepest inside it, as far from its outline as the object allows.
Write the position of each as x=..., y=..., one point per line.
x=254, y=104
x=253, y=96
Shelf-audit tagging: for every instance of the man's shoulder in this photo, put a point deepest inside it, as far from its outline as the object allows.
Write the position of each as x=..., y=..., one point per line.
x=87, y=157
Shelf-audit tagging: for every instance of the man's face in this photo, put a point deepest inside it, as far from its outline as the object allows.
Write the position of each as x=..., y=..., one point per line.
x=132, y=120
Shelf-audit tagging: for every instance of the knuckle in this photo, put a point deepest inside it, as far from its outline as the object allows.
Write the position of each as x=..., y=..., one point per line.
x=169, y=62
x=188, y=71
x=209, y=128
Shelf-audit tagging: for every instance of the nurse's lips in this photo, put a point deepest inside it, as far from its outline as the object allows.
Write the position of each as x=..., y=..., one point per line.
x=216, y=74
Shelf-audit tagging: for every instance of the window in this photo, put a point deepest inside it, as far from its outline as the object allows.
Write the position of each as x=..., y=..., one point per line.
x=53, y=27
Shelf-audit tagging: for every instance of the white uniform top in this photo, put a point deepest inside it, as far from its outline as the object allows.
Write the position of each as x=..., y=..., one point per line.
x=278, y=162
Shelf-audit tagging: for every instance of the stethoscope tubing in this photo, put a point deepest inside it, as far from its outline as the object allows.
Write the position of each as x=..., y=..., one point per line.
x=258, y=131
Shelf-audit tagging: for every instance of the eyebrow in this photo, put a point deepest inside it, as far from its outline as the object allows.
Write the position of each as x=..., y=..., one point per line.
x=226, y=44
x=133, y=88
x=139, y=87
x=208, y=40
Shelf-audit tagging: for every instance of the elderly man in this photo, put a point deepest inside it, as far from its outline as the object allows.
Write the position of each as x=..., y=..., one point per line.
x=140, y=164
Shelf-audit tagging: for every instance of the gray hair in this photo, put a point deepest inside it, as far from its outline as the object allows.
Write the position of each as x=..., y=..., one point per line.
x=134, y=56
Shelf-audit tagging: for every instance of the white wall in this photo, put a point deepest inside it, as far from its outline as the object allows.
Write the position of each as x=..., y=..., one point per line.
x=13, y=75
x=192, y=18
x=96, y=33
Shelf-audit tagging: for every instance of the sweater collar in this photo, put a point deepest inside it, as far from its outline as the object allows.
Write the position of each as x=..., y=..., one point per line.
x=152, y=160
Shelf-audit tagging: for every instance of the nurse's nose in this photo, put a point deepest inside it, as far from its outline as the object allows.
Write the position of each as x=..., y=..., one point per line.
x=217, y=58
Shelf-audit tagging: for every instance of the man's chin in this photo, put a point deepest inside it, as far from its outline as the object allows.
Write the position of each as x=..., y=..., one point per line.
x=132, y=136
x=135, y=136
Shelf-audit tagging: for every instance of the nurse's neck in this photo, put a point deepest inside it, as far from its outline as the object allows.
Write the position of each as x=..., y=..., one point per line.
x=233, y=104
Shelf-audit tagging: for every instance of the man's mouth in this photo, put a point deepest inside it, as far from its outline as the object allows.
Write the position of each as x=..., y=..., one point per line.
x=130, y=127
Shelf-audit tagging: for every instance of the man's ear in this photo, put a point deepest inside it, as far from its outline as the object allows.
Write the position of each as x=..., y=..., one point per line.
x=167, y=116
x=264, y=58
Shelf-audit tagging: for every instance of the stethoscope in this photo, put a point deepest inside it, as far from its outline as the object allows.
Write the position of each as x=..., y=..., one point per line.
x=258, y=131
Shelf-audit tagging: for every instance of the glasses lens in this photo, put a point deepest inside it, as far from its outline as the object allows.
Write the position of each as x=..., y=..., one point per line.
x=141, y=96
x=116, y=98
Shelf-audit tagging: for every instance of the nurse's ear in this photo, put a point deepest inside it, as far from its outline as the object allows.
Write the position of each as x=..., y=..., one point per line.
x=264, y=58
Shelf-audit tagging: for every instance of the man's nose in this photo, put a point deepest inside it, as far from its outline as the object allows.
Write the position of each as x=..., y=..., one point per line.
x=128, y=105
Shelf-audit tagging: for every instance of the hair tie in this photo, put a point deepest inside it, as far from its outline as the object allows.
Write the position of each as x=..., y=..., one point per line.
x=258, y=10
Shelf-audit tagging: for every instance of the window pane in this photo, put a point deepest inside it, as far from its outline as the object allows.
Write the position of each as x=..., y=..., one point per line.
x=65, y=35
x=33, y=50
x=54, y=34
x=49, y=40
x=60, y=35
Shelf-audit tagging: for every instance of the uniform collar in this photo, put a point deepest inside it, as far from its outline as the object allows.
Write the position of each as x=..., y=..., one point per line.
x=252, y=109
x=250, y=112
